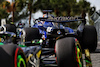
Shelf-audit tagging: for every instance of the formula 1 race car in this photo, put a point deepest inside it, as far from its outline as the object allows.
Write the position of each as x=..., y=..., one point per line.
x=29, y=51
x=68, y=45
x=47, y=28
x=20, y=54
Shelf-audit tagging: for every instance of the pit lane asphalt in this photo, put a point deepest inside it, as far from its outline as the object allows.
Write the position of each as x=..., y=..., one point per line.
x=95, y=57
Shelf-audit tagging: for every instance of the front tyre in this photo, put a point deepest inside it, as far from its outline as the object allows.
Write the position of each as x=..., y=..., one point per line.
x=12, y=56
x=68, y=53
x=89, y=38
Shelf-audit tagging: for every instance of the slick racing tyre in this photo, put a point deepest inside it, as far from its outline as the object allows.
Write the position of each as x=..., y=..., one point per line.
x=12, y=56
x=89, y=38
x=29, y=34
x=68, y=53
x=10, y=28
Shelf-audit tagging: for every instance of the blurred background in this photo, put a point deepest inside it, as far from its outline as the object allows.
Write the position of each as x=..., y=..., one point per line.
x=26, y=11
